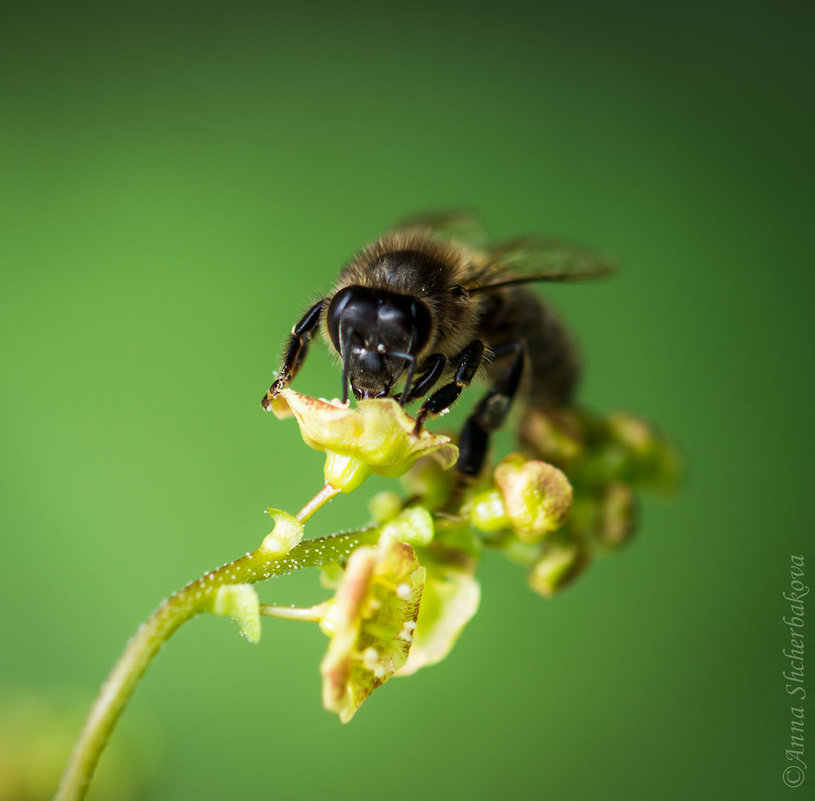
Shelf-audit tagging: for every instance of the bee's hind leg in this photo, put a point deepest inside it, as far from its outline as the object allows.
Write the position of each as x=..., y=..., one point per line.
x=491, y=411
x=295, y=351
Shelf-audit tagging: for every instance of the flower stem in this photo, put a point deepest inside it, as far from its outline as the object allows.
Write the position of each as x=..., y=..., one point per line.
x=193, y=599
x=311, y=613
x=319, y=500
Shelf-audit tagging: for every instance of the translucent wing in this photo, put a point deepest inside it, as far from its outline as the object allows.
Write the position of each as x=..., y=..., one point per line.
x=463, y=225
x=528, y=259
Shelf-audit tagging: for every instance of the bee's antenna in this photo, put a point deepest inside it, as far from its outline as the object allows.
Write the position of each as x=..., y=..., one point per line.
x=346, y=358
x=403, y=399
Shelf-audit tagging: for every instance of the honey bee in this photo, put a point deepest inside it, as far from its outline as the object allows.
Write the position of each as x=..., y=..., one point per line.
x=431, y=302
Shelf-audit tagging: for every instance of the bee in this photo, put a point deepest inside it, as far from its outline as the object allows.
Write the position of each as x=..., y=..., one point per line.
x=430, y=302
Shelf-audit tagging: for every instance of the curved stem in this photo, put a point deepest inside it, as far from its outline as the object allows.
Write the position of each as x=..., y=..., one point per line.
x=176, y=610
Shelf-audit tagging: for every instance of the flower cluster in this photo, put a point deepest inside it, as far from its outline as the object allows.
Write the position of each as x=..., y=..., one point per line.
x=403, y=599
x=405, y=585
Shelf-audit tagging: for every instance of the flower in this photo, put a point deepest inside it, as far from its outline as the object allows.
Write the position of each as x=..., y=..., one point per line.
x=537, y=496
x=450, y=598
x=371, y=621
x=653, y=461
x=554, y=435
x=560, y=563
x=376, y=437
x=605, y=519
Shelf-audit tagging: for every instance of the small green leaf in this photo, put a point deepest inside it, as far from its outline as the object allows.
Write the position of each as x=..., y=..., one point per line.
x=240, y=602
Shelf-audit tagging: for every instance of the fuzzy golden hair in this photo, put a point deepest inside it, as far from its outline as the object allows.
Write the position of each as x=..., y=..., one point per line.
x=414, y=263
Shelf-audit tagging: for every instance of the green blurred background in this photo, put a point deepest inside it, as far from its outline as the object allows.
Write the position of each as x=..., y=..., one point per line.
x=179, y=182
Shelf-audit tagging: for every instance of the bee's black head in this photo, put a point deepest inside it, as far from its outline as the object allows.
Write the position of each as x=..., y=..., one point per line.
x=378, y=334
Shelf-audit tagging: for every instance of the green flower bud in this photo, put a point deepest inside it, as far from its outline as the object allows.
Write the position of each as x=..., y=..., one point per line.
x=487, y=513
x=606, y=518
x=385, y=506
x=617, y=517
x=603, y=462
x=460, y=538
x=240, y=602
x=559, y=564
x=537, y=496
x=414, y=526
x=375, y=437
x=633, y=433
x=554, y=436
x=651, y=459
x=428, y=480
x=520, y=552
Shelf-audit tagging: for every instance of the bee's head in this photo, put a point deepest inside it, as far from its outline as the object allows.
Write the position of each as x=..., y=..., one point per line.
x=378, y=335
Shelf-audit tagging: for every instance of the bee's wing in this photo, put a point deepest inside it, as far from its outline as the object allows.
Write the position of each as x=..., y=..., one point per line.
x=528, y=259
x=463, y=225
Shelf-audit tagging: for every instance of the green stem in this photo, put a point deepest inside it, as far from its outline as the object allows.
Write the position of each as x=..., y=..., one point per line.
x=176, y=610
x=319, y=500
x=310, y=613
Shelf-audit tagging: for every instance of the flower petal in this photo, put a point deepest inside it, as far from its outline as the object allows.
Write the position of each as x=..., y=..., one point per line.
x=450, y=598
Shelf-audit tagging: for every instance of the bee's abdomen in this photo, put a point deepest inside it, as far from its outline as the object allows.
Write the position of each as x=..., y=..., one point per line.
x=520, y=315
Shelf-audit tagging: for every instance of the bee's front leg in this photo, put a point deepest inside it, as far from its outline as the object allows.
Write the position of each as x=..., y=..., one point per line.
x=442, y=399
x=435, y=364
x=491, y=411
x=295, y=352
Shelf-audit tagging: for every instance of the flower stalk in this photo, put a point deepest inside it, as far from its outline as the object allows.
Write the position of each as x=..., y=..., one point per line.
x=184, y=605
x=311, y=614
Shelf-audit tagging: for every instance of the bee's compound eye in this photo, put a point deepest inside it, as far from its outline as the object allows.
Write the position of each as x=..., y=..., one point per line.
x=341, y=304
x=422, y=325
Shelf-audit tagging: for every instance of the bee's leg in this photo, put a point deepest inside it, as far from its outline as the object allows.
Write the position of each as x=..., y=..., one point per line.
x=490, y=413
x=437, y=362
x=442, y=399
x=295, y=352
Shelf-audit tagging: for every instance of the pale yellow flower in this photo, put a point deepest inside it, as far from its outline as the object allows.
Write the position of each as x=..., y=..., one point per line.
x=376, y=437
x=371, y=622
